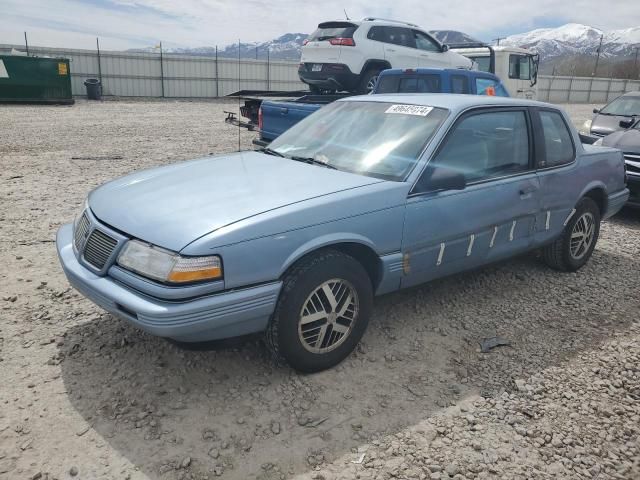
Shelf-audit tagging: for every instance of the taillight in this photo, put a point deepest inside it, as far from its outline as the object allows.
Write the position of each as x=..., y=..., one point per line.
x=260, y=118
x=345, y=42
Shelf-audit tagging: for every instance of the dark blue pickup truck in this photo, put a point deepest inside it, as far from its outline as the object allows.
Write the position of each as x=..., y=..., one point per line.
x=275, y=117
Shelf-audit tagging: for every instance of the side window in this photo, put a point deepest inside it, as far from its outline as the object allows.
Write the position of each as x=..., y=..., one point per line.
x=501, y=91
x=486, y=145
x=377, y=34
x=423, y=42
x=557, y=139
x=519, y=67
x=486, y=86
x=400, y=36
x=459, y=84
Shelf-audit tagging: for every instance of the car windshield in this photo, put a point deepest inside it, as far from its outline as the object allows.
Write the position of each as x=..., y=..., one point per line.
x=378, y=139
x=623, y=106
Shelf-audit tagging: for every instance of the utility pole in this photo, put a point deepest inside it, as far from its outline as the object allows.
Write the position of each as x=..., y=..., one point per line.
x=26, y=44
x=635, y=64
x=595, y=70
x=497, y=40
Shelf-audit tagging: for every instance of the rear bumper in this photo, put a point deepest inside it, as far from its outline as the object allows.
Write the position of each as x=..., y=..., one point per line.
x=212, y=317
x=615, y=202
x=334, y=76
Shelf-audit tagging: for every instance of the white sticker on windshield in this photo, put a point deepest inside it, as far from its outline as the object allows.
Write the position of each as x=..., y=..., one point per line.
x=410, y=110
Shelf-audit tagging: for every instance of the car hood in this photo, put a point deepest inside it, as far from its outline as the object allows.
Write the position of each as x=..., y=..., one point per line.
x=626, y=140
x=174, y=205
x=606, y=124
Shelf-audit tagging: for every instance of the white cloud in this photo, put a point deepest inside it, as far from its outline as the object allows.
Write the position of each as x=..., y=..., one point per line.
x=130, y=23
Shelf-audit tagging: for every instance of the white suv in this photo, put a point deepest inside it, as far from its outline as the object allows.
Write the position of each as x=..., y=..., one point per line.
x=347, y=55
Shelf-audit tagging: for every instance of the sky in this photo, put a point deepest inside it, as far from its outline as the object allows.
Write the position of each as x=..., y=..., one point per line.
x=123, y=24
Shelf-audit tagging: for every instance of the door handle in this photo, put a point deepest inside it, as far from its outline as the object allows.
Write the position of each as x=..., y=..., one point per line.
x=527, y=190
x=390, y=50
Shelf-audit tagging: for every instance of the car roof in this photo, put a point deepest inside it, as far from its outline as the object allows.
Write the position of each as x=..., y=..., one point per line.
x=449, y=101
x=438, y=71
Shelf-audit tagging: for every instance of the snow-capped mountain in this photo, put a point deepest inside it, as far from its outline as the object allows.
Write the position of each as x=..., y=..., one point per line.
x=452, y=36
x=577, y=39
x=285, y=47
x=553, y=44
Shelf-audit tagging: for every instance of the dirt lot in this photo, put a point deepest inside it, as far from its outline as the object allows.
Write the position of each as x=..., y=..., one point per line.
x=85, y=395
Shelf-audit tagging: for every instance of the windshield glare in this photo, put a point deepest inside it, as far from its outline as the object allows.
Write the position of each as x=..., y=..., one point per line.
x=368, y=138
x=624, y=106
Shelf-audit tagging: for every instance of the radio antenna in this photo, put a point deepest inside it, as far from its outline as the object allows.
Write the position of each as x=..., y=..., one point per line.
x=345, y=14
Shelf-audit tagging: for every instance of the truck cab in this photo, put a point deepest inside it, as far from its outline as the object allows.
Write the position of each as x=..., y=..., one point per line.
x=516, y=67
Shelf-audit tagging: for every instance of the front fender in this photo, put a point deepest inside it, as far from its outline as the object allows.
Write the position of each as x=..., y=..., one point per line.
x=326, y=241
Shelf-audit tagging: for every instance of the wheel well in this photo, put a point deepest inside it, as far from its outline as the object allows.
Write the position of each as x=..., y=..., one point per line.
x=383, y=64
x=599, y=196
x=366, y=256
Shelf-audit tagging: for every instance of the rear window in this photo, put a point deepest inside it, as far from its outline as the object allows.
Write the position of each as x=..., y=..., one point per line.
x=409, y=84
x=484, y=63
x=489, y=87
x=459, y=84
x=328, y=30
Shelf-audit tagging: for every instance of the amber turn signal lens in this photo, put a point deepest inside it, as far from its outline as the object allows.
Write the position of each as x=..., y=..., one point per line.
x=195, y=275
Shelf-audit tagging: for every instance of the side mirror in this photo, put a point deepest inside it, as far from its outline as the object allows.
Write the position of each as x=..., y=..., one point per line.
x=443, y=178
x=596, y=110
x=445, y=48
x=627, y=123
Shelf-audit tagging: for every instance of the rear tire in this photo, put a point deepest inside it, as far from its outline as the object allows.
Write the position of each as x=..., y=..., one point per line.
x=574, y=247
x=322, y=313
x=368, y=81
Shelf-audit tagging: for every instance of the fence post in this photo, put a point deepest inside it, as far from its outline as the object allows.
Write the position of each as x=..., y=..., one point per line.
x=99, y=66
x=570, y=86
x=609, y=88
x=217, y=75
x=268, y=70
x=161, y=71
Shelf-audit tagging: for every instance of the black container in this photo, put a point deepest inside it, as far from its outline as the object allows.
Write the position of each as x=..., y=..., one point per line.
x=94, y=88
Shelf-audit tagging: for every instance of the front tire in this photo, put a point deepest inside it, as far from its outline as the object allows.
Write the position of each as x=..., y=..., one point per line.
x=322, y=313
x=574, y=247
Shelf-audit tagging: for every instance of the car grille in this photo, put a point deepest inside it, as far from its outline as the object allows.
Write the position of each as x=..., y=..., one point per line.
x=632, y=163
x=99, y=248
x=82, y=228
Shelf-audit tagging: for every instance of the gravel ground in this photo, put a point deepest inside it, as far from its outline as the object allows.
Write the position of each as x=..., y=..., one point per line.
x=85, y=395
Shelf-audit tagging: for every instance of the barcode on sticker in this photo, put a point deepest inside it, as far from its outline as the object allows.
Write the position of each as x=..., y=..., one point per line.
x=409, y=110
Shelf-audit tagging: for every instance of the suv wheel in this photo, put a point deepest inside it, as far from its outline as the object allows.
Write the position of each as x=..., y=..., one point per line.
x=368, y=80
x=578, y=240
x=322, y=313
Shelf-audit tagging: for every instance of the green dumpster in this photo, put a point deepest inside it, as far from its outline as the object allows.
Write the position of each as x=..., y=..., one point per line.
x=35, y=80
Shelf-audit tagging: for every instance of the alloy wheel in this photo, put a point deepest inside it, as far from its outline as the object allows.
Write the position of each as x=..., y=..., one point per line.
x=582, y=235
x=328, y=316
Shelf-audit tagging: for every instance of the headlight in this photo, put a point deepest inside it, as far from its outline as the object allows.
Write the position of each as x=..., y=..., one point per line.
x=598, y=141
x=586, y=127
x=165, y=266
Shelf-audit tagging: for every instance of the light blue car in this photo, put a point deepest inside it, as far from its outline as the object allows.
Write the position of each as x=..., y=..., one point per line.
x=368, y=195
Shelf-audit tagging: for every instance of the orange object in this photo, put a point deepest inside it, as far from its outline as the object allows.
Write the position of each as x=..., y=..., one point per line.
x=491, y=91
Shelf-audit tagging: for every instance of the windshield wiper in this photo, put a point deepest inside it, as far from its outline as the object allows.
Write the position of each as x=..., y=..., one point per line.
x=312, y=161
x=270, y=151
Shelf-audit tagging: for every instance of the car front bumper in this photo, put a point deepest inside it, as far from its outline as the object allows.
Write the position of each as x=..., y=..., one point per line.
x=221, y=315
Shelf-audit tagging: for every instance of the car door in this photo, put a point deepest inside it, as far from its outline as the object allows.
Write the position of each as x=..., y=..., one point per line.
x=560, y=185
x=429, y=52
x=399, y=47
x=448, y=230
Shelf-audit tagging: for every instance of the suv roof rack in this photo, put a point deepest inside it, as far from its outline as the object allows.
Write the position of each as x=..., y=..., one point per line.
x=371, y=19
